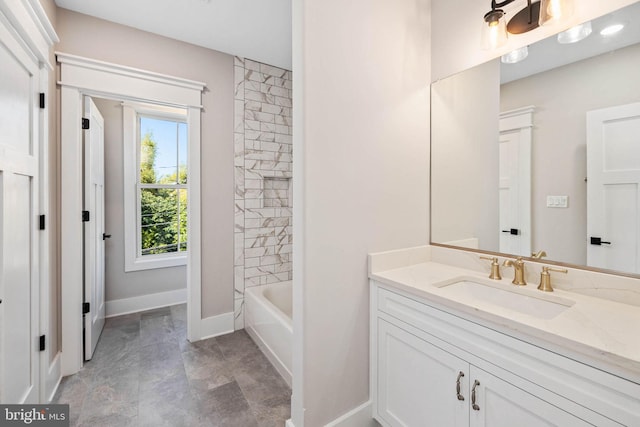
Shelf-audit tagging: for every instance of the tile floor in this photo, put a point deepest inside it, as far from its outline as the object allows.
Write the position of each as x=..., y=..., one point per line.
x=145, y=373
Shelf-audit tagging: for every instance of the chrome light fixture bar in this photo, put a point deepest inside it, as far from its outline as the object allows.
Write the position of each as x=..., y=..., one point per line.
x=538, y=13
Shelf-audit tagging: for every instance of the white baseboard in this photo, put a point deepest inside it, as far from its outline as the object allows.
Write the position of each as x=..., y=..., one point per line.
x=357, y=417
x=54, y=376
x=119, y=307
x=360, y=416
x=216, y=325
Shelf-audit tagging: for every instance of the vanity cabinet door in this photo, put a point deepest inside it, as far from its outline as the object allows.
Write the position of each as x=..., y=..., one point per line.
x=501, y=404
x=417, y=382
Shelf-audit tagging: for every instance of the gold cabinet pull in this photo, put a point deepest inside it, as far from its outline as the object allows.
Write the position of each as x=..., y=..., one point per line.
x=460, y=376
x=474, y=405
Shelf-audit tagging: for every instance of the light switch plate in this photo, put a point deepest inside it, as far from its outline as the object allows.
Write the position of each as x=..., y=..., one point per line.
x=557, y=201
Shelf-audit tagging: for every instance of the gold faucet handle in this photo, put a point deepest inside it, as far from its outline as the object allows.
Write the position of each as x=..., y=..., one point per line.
x=539, y=254
x=545, y=278
x=495, y=267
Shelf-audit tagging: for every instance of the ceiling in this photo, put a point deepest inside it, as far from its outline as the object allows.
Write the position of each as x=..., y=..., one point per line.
x=548, y=53
x=254, y=29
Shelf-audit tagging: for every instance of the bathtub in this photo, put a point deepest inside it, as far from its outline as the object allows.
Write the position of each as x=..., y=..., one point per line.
x=268, y=311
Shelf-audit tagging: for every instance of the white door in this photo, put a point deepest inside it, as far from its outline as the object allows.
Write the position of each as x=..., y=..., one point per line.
x=19, y=287
x=418, y=382
x=515, y=183
x=501, y=404
x=94, y=228
x=613, y=185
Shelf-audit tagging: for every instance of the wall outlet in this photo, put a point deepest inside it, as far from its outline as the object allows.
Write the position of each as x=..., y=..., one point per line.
x=557, y=201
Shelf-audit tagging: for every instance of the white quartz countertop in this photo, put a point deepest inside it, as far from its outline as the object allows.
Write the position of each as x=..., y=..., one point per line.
x=594, y=331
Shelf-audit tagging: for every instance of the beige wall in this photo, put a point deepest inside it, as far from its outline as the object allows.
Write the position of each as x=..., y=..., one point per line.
x=118, y=283
x=456, y=31
x=94, y=38
x=363, y=154
x=464, y=179
x=562, y=98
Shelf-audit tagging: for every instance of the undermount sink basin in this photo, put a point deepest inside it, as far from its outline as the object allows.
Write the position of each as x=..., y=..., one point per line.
x=525, y=301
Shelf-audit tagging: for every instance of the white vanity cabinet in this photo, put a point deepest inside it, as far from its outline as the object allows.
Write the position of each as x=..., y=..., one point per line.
x=426, y=364
x=418, y=386
x=417, y=381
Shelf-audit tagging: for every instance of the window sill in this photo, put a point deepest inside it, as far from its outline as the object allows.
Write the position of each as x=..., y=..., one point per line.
x=155, y=262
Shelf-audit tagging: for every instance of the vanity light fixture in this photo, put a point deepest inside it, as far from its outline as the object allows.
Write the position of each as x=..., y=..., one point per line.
x=495, y=28
x=575, y=34
x=515, y=56
x=611, y=30
x=494, y=33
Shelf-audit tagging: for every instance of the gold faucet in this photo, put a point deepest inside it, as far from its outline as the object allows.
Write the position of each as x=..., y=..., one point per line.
x=495, y=268
x=539, y=254
x=545, y=278
x=518, y=268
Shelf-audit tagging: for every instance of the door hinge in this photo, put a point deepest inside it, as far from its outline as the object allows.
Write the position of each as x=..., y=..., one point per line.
x=42, y=342
x=42, y=103
x=42, y=222
x=86, y=307
x=85, y=216
x=85, y=123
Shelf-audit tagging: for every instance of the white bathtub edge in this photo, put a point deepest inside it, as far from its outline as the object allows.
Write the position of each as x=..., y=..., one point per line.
x=266, y=350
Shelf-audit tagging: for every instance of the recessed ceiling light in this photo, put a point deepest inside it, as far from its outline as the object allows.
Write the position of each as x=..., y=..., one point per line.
x=611, y=29
x=575, y=34
x=515, y=56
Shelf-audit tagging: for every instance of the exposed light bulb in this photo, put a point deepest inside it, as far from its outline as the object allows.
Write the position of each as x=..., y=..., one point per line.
x=555, y=11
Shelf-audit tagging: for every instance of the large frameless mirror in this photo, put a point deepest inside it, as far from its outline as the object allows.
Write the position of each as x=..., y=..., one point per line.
x=540, y=150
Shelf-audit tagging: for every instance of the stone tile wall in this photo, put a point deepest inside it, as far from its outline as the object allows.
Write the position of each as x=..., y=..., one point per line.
x=263, y=161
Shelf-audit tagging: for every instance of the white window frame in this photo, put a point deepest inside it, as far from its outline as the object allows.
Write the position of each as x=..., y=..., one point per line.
x=134, y=260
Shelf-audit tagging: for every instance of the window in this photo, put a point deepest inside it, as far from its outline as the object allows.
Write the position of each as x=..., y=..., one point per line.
x=156, y=187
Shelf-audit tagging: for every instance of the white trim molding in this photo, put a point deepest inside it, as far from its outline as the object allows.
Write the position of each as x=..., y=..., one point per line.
x=217, y=325
x=99, y=77
x=29, y=20
x=360, y=416
x=52, y=379
x=119, y=307
x=82, y=76
x=517, y=119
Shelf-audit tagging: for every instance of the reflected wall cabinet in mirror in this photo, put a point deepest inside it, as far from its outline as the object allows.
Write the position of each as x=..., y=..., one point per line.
x=544, y=154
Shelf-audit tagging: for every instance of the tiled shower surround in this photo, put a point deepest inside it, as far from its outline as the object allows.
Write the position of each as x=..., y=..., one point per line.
x=263, y=161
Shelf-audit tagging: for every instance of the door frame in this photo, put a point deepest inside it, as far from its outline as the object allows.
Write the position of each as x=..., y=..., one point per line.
x=81, y=76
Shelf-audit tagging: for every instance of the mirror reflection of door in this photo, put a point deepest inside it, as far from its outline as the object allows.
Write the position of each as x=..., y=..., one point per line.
x=613, y=185
x=515, y=181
